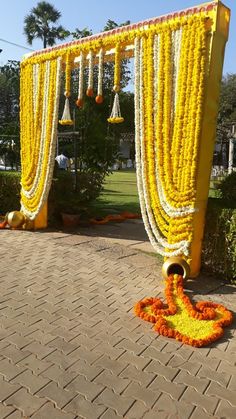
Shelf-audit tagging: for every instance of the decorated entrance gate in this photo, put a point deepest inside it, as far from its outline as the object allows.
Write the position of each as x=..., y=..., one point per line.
x=178, y=68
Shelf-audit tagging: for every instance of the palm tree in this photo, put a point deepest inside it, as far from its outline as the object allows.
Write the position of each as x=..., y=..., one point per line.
x=38, y=24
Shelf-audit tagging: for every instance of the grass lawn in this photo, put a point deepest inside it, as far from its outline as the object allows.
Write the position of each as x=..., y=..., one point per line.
x=119, y=194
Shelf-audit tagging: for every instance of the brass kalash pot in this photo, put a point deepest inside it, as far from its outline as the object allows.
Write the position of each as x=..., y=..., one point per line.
x=175, y=265
x=15, y=219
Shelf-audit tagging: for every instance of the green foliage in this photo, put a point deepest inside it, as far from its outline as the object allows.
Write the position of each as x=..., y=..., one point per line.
x=219, y=245
x=228, y=188
x=227, y=108
x=64, y=198
x=9, y=112
x=9, y=191
x=38, y=24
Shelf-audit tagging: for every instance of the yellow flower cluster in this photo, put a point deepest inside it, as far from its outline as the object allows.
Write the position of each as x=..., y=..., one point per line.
x=172, y=136
x=38, y=104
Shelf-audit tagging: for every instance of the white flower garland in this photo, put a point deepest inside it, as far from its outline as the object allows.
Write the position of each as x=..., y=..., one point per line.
x=51, y=158
x=100, y=72
x=90, y=70
x=147, y=214
x=81, y=76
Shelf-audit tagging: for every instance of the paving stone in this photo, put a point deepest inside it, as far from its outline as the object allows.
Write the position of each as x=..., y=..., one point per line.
x=200, y=384
x=5, y=411
x=19, y=341
x=85, y=408
x=178, y=362
x=35, y=364
x=225, y=410
x=13, y=354
x=31, y=381
x=120, y=404
x=212, y=363
x=164, y=370
x=167, y=405
x=7, y=389
x=49, y=411
x=41, y=351
x=77, y=302
x=114, y=366
x=57, y=395
x=142, y=377
x=201, y=414
x=87, y=388
x=153, y=353
x=61, y=377
x=208, y=403
x=232, y=383
x=62, y=345
x=16, y=415
x=220, y=377
x=154, y=414
x=138, y=362
x=117, y=384
x=215, y=389
x=25, y=402
x=81, y=367
x=173, y=389
x=137, y=411
x=146, y=395
x=111, y=414
x=9, y=370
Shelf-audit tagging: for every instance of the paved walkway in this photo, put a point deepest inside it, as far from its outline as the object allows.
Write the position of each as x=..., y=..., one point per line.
x=70, y=346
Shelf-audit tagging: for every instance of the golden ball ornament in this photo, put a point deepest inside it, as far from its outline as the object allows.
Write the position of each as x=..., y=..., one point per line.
x=15, y=219
x=175, y=265
x=116, y=88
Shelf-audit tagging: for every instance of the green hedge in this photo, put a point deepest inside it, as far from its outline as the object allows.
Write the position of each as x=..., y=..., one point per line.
x=9, y=191
x=219, y=245
x=63, y=198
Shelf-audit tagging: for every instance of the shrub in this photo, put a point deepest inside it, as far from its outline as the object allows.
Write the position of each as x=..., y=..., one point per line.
x=219, y=245
x=228, y=188
x=9, y=191
x=63, y=197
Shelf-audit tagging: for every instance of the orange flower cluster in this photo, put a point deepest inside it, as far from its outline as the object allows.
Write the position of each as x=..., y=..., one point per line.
x=152, y=310
x=114, y=217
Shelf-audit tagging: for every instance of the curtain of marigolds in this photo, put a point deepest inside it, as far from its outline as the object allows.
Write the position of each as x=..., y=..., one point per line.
x=40, y=85
x=170, y=73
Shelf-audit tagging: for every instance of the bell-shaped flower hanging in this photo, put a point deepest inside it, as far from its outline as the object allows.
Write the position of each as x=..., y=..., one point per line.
x=115, y=117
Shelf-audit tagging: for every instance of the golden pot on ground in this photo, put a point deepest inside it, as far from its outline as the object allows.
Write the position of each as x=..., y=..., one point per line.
x=175, y=265
x=15, y=219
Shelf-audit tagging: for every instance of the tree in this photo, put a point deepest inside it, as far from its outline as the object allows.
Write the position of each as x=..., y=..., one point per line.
x=98, y=146
x=39, y=24
x=226, y=116
x=9, y=112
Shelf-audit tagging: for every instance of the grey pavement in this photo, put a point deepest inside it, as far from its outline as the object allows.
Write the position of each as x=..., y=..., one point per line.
x=71, y=347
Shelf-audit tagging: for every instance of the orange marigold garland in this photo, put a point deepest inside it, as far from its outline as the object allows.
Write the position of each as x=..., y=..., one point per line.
x=196, y=325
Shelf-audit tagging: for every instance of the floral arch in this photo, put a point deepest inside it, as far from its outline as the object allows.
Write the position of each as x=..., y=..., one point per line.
x=178, y=67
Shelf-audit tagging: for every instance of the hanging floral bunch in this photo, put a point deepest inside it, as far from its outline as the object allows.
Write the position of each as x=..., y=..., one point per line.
x=89, y=91
x=115, y=117
x=99, y=97
x=66, y=117
x=80, y=101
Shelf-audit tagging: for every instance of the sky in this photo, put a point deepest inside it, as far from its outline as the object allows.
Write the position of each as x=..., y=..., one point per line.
x=94, y=14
